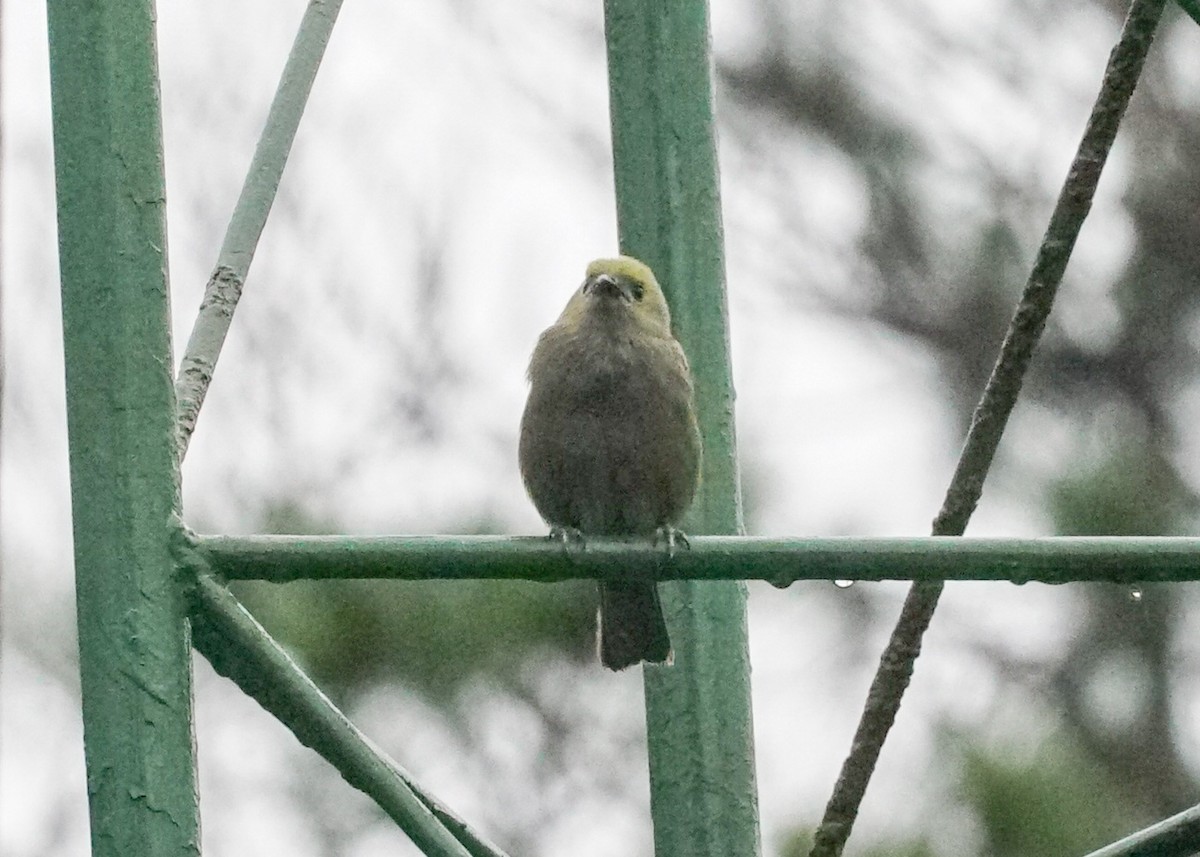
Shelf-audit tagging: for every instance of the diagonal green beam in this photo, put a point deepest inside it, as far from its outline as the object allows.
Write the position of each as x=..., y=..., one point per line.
x=1177, y=836
x=224, y=288
x=1192, y=8
x=1061, y=559
x=240, y=649
x=990, y=418
x=703, y=795
x=134, y=651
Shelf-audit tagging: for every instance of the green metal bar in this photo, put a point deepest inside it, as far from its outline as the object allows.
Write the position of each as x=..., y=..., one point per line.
x=703, y=796
x=224, y=287
x=990, y=418
x=134, y=651
x=1192, y=8
x=1177, y=836
x=240, y=649
x=1063, y=559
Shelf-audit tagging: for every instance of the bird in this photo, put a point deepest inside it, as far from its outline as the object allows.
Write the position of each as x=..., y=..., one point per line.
x=609, y=439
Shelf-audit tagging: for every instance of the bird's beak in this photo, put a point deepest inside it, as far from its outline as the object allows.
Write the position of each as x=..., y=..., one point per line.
x=604, y=285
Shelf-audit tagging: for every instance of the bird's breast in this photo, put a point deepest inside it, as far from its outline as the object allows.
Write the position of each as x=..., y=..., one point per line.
x=609, y=439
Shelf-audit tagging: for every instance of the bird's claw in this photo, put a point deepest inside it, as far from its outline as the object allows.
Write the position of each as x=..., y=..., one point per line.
x=567, y=536
x=671, y=537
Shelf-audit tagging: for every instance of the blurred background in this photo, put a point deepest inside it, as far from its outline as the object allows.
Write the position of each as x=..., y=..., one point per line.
x=887, y=170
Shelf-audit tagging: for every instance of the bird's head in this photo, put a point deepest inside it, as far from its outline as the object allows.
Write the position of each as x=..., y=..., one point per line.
x=620, y=289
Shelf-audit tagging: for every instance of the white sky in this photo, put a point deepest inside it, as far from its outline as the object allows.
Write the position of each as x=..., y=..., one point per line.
x=480, y=129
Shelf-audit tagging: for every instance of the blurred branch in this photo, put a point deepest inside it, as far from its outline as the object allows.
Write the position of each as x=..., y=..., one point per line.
x=224, y=287
x=1142, y=762
x=989, y=419
x=239, y=649
x=827, y=101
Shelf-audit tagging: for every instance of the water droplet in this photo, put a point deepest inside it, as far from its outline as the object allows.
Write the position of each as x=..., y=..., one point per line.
x=783, y=581
x=843, y=584
x=1135, y=594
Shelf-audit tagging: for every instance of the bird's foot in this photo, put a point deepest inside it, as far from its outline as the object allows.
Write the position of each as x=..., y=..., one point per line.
x=567, y=537
x=670, y=536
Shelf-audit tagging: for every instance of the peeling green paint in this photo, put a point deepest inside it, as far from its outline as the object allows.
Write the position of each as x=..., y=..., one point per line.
x=703, y=795
x=135, y=651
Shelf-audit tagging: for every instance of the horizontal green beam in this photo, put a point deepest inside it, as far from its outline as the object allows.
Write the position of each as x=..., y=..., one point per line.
x=1129, y=560
x=239, y=649
x=1177, y=836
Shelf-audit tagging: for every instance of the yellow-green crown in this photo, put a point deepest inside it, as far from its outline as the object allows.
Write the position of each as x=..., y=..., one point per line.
x=622, y=266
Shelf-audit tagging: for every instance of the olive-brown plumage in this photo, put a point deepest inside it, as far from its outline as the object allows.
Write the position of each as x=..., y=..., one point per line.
x=609, y=440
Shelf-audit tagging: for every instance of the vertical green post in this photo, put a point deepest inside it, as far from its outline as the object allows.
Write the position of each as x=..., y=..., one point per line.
x=135, y=651
x=703, y=793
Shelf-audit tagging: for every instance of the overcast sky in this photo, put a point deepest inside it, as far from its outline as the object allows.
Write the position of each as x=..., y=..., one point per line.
x=470, y=140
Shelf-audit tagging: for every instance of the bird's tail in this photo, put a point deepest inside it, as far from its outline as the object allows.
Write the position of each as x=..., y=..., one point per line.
x=632, y=628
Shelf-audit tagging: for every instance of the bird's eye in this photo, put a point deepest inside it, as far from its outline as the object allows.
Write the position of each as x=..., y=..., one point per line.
x=637, y=291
